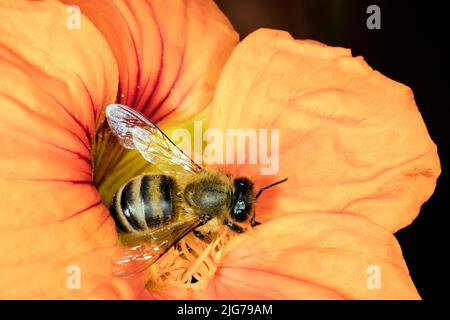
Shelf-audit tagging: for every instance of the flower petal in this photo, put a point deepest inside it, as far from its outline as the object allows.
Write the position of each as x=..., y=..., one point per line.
x=54, y=83
x=309, y=256
x=351, y=140
x=170, y=53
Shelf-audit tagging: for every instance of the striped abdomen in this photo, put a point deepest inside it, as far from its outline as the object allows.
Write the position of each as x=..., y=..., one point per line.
x=144, y=203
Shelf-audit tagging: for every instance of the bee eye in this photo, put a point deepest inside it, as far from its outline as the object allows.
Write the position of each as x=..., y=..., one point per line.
x=243, y=196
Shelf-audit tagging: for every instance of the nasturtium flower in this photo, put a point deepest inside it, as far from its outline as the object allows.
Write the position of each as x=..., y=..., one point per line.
x=357, y=154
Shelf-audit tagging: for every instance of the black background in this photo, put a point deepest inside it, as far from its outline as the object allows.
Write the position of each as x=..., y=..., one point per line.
x=412, y=48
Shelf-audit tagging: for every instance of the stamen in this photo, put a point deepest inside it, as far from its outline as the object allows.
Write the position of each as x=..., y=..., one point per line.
x=189, y=265
x=196, y=265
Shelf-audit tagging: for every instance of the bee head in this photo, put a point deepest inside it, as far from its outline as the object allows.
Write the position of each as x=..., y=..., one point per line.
x=242, y=205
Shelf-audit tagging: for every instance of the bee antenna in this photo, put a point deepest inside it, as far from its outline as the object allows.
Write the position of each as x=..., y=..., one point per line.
x=269, y=186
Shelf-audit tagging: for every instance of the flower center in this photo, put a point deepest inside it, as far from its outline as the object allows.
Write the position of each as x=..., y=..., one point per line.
x=191, y=262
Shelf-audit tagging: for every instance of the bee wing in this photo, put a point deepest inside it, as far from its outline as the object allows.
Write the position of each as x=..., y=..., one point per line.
x=134, y=131
x=130, y=261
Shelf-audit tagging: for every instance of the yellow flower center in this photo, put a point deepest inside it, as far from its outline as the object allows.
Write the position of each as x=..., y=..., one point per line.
x=191, y=262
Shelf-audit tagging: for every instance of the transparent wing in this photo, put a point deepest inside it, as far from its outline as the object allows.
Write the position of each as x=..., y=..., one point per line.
x=148, y=246
x=134, y=131
x=130, y=261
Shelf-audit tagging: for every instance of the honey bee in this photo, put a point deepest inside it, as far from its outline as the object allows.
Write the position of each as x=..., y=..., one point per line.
x=152, y=212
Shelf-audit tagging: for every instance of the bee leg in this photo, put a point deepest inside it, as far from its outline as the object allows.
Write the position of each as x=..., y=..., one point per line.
x=254, y=223
x=234, y=227
x=202, y=236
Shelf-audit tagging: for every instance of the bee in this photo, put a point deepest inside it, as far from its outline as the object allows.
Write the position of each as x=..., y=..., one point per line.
x=152, y=212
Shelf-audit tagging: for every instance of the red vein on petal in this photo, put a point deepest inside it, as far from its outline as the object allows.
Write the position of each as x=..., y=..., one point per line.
x=80, y=156
x=99, y=202
x=71, y=181
x=164, y=116
x=54, y=255
x=178, y=104
x=94, y=113
x=40, y=225
x=36, y=114
x=137, y=88
x=130, y=103
x=49, y=93
x=107, y=217
x=78, y=122
x=161, y=60
x=177, y=77
x=140, y=97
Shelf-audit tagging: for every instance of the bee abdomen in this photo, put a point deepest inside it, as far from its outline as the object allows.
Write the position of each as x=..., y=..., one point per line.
x=144, y=203
x=158, y=198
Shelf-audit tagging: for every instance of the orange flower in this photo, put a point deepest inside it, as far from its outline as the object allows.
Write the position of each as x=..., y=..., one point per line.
x=352, y=142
